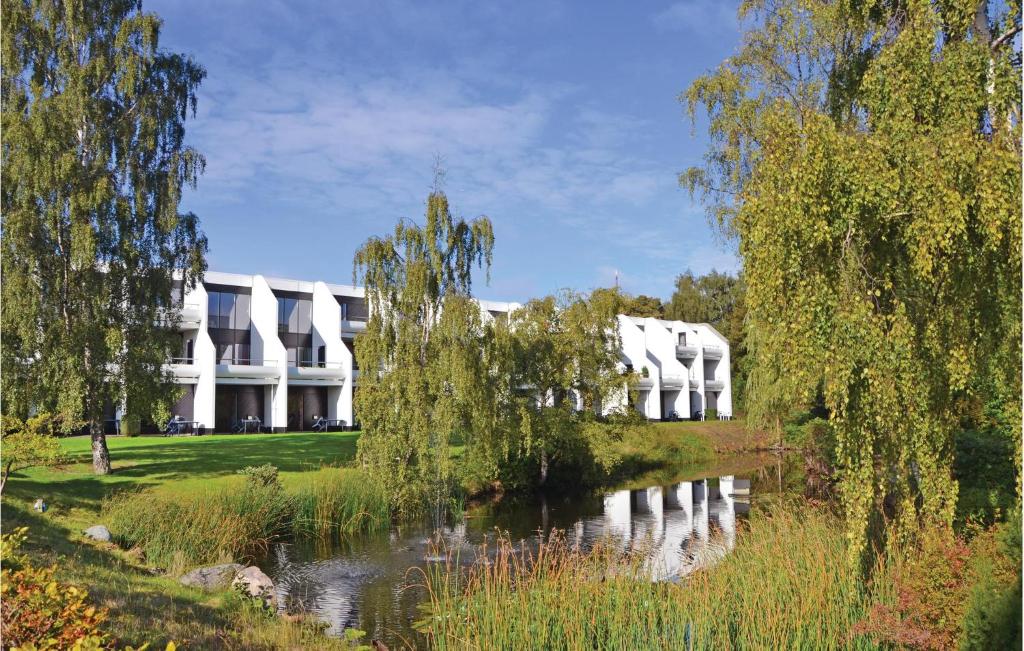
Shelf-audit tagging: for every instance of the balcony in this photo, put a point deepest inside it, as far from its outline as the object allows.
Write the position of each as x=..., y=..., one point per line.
x=694, y=382
x=673, y=382
x=350, y=325
x=183, y=370
x=685, y=352
x=186, y=316
x=316, y=373
x=712, y=352
x=645, y=383
x=714, y=385
x=248, y=371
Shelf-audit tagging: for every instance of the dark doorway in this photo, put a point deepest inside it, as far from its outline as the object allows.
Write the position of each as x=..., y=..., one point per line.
x=305, y=404
x=236, y=402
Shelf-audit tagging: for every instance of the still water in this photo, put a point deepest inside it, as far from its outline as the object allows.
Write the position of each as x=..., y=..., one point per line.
x=374, y=582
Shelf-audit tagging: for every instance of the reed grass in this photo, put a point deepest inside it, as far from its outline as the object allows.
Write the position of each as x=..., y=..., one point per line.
x=334, y=503
x=240, y=519
x=786, y=585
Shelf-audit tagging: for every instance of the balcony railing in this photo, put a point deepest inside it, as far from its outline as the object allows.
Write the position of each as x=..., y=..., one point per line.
x=714, y=385
x=684, y=351
x=712, y=352
x=247, y=361
x=694, y=382
x=182, y=360
x=308, y=363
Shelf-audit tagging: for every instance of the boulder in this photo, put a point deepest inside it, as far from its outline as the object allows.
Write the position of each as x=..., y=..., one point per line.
x=254, y=583
x=211, y=577
x=98, y=532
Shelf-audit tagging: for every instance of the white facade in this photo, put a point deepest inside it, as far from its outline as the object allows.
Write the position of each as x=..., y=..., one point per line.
x=282, y=351
x=683, y=367
x=273, y=349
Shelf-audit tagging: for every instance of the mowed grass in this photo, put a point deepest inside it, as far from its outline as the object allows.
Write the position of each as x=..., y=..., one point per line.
x=179, y=464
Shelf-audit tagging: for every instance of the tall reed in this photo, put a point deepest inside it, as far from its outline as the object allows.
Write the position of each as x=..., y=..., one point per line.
x=785, y=586
x=239, y=520
x=178, y=531
x=333, y=503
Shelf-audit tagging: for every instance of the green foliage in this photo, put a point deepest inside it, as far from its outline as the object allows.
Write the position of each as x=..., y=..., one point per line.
x=94, y=163
x=983, y=467
x=560, y=372
x=181, y=531
x=562, y=598
x=993, y=611
x=131, y=425
x=421, y=358
x=26, y=444
x=867, y=156
x=643, y=306
x=261, y=476
x=334, y=503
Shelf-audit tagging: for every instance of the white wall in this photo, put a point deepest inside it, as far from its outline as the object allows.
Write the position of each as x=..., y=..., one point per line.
x=661, y=345
x=205, y=358
x=268, y=350
x=327, y=332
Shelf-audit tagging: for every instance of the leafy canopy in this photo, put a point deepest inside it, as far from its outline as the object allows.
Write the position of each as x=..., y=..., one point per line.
x=867, y=156
x=94, y=163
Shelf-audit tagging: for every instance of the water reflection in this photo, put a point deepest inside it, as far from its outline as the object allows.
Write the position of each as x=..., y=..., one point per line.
x=679, y=527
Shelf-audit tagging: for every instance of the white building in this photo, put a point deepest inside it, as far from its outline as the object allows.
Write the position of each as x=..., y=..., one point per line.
x=282, y=351
x=683, y=367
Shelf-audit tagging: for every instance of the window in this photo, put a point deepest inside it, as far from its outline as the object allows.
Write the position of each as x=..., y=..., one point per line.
x=682, y=338
x=353, y=309
x=228, y=310
x=295, y=315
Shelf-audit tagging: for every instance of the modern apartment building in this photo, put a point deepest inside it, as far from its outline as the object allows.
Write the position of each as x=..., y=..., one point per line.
x=683, y=367
x=282, y=351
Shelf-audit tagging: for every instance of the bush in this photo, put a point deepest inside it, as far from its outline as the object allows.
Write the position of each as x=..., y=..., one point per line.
x=984, y=467
x=711, y=414
x=265, y=475
x=38, y=612
x=28, y=443
x=131, y=425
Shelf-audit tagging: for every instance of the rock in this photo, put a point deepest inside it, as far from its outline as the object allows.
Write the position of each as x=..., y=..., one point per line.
x=254, y=583
x=98, y=532
x=211, y=577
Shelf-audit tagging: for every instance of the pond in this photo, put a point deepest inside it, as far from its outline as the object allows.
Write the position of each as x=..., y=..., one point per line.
x=684, y=519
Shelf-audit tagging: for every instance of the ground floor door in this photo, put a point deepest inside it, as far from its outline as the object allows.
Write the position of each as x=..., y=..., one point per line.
x=233, y=403
x=305, y=405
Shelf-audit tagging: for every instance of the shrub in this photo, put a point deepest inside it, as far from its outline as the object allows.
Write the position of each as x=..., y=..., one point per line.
x=28, y=443
x=39, y=612
x=711, y=414
x=131, y=425
x=265, y=475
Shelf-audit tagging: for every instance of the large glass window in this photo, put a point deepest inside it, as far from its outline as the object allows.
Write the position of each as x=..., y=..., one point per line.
x=353, y=309
x=229, y=310
x=295, y=315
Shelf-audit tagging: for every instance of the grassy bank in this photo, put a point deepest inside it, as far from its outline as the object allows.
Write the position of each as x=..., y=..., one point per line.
x=183, y=474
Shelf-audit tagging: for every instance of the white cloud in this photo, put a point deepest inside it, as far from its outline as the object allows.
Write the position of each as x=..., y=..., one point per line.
x=698, y=17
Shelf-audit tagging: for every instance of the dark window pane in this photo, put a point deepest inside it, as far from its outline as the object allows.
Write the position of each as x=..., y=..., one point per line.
x=213, y=309
x=227, y=305
x=242, y=354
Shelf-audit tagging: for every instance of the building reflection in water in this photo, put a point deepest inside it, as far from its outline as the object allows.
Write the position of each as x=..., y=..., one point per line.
x=678, y=528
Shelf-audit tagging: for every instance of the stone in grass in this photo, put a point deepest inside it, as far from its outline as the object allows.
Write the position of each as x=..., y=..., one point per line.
x=211, y=577
x=98, y=532
x=254, y=583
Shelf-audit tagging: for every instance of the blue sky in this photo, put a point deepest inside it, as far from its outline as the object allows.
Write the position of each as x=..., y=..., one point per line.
x=320, y=122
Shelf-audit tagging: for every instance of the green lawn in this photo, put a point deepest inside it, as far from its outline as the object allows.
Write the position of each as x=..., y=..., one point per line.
x=184, y=463
x=156, y=608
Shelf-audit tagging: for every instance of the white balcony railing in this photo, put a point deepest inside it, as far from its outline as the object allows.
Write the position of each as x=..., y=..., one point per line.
x=684, y=351
x=712, y=352
x=714, y=385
